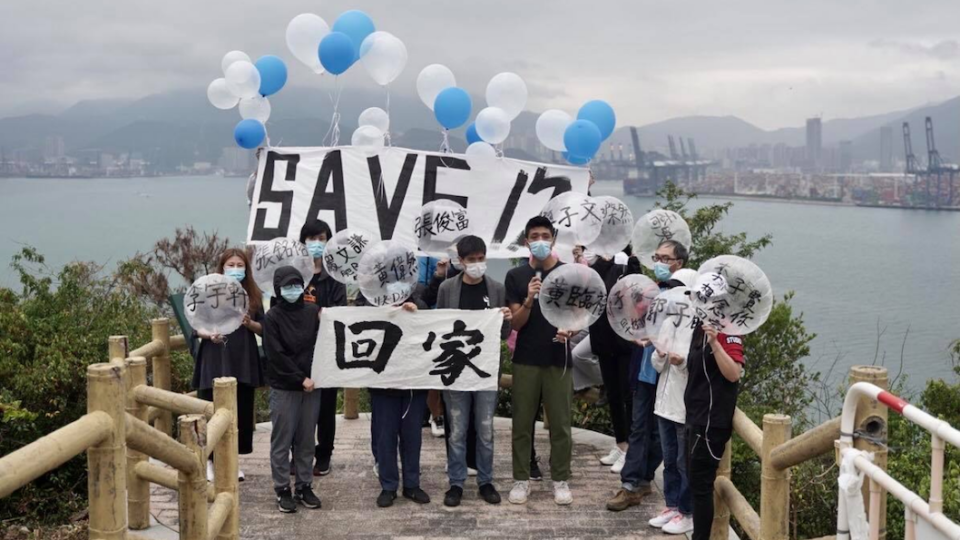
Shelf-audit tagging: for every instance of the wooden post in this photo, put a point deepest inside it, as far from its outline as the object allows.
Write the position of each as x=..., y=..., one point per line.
x=721, y=514
x=106, y=473
x=774, y=483
x=871, y=420
x=351, y=403
x=138, y=490
x=117, y=348
x=225, y=456
x=193, y=485
x=161, y=371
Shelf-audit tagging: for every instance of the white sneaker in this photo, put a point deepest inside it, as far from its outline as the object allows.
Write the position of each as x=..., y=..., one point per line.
x=240, y=476
x=680, y=524
x=664, y=518
x=518, y=495
x=618, y=466
x=435, y=430
x=612, y=457
x=561, y=493
x=471, y=472
x=209, y=471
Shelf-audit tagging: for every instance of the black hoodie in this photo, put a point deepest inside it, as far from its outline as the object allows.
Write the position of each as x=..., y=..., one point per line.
x=289, y=335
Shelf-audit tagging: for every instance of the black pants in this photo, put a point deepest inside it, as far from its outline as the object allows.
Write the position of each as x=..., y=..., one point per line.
x=326, y=423
x=615, y=371
x=702, y=471
x=245, y=420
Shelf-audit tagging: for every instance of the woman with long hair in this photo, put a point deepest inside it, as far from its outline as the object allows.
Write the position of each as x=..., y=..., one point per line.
x=234, y=355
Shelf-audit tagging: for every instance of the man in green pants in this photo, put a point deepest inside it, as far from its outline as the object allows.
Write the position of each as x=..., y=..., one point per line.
x=539, y=367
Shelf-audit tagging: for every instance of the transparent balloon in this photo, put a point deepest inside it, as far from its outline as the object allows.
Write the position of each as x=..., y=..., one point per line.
x=493, y=125
x=627, y=306
x=671, y=320
x=615, y=229
x=741, y=302
x=481, y=150
x=508, y=92
x=573, y=297
x=231, y=57
x=257, y=108
x=434, y=79
x=243, y=79
x=551, y=126
x=383, y=56
x=388, y=273
x=440, y=224
x=279, y=252
x=304, y=34
x=220, y=95
x=655, y=227
x=215, y=304
x=687, y=276
x=577, y=219
x=368, y=139
x=342, y=254
x=376, y=117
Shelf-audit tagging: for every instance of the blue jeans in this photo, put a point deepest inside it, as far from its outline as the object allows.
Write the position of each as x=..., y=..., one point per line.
x=676, y=488
x=460, y=406
x=644, y=454
x=397, y=424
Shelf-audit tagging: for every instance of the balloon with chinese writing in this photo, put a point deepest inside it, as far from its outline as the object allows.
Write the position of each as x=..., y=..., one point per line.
x=577, y=219
x=615, y=229
x=573, y=297
x=388, y=273
x=279, y=252
x=342, y=254
x=655, y=227
x=735, y=297
x=671, y=321
x=215, y=304
x=627, y=305
x=440, y=224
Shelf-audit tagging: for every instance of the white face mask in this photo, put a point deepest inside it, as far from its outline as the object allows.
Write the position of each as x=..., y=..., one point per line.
x=476, y=270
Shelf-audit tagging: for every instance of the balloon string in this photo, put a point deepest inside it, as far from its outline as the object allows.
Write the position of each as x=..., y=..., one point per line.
x=333, y=133
x=445, y=143
x=386, y=135
x=499, y=149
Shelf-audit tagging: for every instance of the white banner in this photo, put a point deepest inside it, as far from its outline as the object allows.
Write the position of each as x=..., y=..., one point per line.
x=443, y=349
x=384, y=194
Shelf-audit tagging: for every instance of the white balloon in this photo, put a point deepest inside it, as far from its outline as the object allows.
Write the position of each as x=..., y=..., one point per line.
x=231, y=57
x=481, y=149
x=493, y=125
x=434, y=79
x=687, y=276
x=257, y=108
x=745, y=302
x=671, y=321
x=577, y=219
x=384, y=56
x=440, y=224
x=215, y=304
x=655, y=227
x=304, y=34
x=627, y=305
x=388, y=273
x=508, y=92
x=376, y=117
x=243, y=79
x=551, y=126
x=573, y=297
x=616, y=227
x=341, y=255
x=368, y=139
x=220, y=96
x=268, y=256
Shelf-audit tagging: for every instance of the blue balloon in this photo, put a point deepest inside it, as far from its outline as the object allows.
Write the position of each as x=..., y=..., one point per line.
x=452, y=107
x=472, y=135
x=337, y=53
x=582, y=139
x=249, y=133
x=576, y=160
x=357, y=25
x=601, y=114
x=273, y=74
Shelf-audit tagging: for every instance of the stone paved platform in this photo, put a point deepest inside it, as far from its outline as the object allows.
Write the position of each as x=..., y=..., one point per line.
x=349, y=494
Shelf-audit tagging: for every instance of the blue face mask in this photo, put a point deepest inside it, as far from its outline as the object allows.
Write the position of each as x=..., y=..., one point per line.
x=236, y=273
x=315, y=247
x=662, y=271
x=540, y=249
x=291, y=293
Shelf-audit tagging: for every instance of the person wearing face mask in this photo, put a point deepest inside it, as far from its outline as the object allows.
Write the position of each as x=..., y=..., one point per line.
x=473, y=290
x=323, y=291
x=289, y=336
x=235, y=355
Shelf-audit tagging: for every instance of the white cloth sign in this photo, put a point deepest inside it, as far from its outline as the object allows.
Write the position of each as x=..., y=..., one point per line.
x=384, y=194
x=443, y=349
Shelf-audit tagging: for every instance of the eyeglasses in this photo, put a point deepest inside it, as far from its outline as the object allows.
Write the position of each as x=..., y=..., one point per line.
x=664, y=259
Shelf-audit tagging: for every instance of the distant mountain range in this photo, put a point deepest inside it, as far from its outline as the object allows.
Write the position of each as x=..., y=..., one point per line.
x=181, y=127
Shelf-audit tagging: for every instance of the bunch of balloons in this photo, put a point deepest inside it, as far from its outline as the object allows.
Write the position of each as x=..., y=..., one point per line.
x=579, y=139
x=438, y=90
x=506, y=99
x=248, y=84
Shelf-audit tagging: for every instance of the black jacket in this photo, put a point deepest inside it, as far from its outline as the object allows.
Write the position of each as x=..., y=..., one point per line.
x=603, y=340
x=289, y=336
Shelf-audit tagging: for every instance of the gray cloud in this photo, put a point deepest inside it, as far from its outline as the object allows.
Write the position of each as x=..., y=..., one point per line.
x=943, y=50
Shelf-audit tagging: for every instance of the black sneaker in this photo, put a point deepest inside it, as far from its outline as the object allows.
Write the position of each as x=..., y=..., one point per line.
x=535, y=473
x=438, y=421
x=322, y=468
x=489, y=493
x=386, y=498
x=285, y=501
x=416, y=495
x=453, y=496
x=307, y=498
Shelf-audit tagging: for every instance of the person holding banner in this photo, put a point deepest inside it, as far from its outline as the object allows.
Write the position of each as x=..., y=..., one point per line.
x=540, y=367
x=472, y=290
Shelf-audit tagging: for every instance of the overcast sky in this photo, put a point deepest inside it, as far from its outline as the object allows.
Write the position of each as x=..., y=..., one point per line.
x=771, y=62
